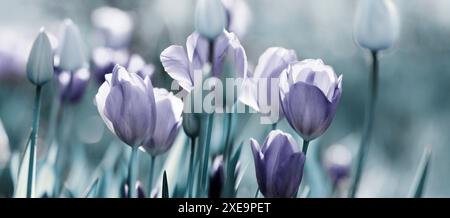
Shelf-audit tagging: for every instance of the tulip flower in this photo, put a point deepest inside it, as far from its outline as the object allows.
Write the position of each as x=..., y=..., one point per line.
x=104, y=59
x=309, y=93
x=40, y=60
x=168, y=121
x=376, y=24
x=278, y=164
x=70, y=65
x=39, y=72
x=71, y=56
x=270, y=65
x=210, y=18
x=182, y=65
x=126, y=104
x=217, y=178
x=113, y=27
x=376, y=28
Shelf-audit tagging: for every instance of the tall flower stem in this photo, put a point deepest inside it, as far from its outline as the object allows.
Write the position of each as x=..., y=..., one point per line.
x=132, y=172
x=191, y=168
x=150, y=175
x=207, y=147
x=368, y=124
x=34, y=135
x=305, y=146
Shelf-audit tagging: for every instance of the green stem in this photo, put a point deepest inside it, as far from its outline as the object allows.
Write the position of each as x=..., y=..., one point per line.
x=228, y=147
x=150, y=176
x=34, y=135
x=191, y=168
x=368, y=124
x=305, y=146
x=207, y=147
x=132, y=172
x=257, y=192
x=274, y=126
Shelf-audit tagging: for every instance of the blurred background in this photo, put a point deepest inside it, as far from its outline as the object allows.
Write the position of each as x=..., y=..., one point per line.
x=412, y=110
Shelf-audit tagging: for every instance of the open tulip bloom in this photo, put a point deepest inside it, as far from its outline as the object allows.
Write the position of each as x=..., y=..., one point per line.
x=309, y=94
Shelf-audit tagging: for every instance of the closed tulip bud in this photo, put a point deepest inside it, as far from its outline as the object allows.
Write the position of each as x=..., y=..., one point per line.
x=210, y=18
x=71, y=50
x=376, y=24
x=191, y=124
x=168, y=122
x=309, y=94
x=126, y=104
x=217, y=177
x=40, y=61
x=278, y=164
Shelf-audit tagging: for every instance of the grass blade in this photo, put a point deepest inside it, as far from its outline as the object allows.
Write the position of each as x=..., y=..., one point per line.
x=421, y=175
x=165, y=186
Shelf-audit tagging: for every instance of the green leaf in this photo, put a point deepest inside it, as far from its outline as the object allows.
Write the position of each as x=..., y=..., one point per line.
x=22, y=176
x=92, y=190
x=165, y=186
x=416, y=190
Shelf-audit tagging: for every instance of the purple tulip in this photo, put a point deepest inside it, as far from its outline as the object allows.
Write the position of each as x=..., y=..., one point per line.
x=168, y=122
x=72, y=85
x=309, y=93
x=104, y=59
x=270, y=65
x=126, y=104
x=278, y=165
x=183, y=65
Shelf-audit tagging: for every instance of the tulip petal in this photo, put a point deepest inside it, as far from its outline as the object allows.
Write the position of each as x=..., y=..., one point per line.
x=259, y=165
x=289, y=175
x=197, y=49
x=227, y=46
x=309, y=111
x=100, y=101
x=176, y=64
x=129, y=110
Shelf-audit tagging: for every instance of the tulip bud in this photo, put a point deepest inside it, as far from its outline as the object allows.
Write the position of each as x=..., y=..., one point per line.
x=40, y=61
x=217, y=177
x=191, y=124
x=278, y=164
x=71, y=51
x=210, y=18
x=376, y=24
